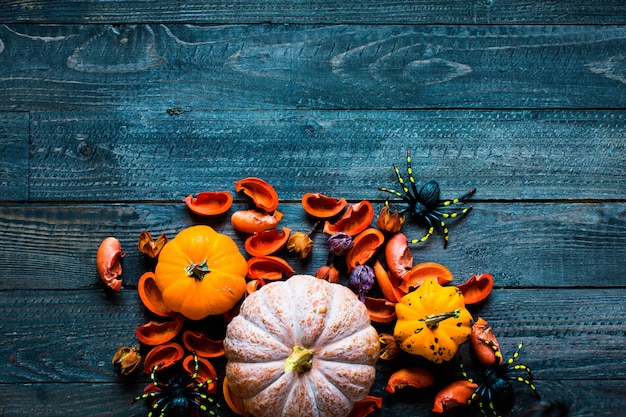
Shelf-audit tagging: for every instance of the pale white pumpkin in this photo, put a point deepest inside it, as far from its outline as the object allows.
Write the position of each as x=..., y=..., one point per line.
x=301, y=347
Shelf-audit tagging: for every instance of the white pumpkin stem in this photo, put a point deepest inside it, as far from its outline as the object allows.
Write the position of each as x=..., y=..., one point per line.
x=300, y=360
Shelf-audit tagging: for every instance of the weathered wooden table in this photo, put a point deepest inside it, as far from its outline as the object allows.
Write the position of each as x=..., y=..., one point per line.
x=112, y=111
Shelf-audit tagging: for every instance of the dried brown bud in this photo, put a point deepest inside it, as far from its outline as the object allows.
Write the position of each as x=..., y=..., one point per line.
x=128, y=359
x=328, y=273
x=389, y=348
x=300, y=243
x=389, y=221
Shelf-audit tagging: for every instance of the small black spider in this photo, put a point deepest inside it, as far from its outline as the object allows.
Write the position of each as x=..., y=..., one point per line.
x=494, y=393
x=424, y=204
x=177, y=396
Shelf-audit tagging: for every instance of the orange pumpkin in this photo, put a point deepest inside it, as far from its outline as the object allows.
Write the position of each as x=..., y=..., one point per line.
x=201, y=273
x=301, y=347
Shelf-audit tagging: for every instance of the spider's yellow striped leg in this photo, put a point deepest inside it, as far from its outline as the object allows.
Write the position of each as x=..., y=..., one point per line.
x=409, y=170
x=431, y=230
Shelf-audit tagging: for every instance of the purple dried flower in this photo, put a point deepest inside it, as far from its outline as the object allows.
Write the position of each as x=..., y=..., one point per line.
x=362, y=280
x=339, y=243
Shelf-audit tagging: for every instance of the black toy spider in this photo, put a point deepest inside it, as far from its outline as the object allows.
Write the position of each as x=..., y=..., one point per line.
x=176, y=397
x=424, y=204
x=494, y=393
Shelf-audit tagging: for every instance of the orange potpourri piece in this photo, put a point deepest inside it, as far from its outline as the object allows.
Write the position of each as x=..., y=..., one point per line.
x=453, y=395
x=421, y=272
x=203, y=346
x=163, y=355
x=206, y=372
x=269, y=268
x=409, y=377
x=263, y=195
x=356, y=218
x=398, y=256
x=150, y=295
x=321, y=206
x=255, y=221
x=109, y=262
x=148, y=246
x=267, y=242
x=477, y=288
x=380, y=309
x=234, y=403
x=363, y=247
x=155, y=333
x=209, y=203
x=481, y=338
x=366, y=406
x=387, y=283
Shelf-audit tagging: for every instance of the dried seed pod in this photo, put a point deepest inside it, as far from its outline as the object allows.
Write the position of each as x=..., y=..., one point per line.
x=128, y=359
x=301, y=244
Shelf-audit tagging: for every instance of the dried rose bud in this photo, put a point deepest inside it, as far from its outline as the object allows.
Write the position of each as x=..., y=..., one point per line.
x=339, y=243
x=128, y=359
x=328, y=273
x=389, y=221
x=362, y=280
x=389, y=348
x=300, y=243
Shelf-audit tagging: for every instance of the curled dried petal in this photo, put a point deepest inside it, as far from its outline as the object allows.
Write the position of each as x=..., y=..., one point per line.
x=209, y=203
x=484, y=343
x=366, y=406
x=163, y=355
x=269, y=268
x=204, y=347
x=267, y=241
x=109, y=262
x=409, y=377
x=155, y=332
x=365, y=245
x=151, y=296
x=477, y=288
x=263, y=195
x=206, y=372
x=380, y=310
x=321, y=206
x=355, y=219
x=453, y=395
x=421, y=272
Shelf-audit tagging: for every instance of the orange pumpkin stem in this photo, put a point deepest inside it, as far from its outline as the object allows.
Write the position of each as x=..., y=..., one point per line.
x=300, y=360
x=197, y=271
x=432, y=320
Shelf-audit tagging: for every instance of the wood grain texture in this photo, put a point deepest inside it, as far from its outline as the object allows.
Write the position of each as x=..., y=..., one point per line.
x=320, y=11
x=217, y=67
x=14, y=156
x=565, y=155
x=522, y=245
x=59, y=400
x=555, y=326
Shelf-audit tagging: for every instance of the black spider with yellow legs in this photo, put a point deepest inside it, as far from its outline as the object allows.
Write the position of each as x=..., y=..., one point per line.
x=424, y=204
x=494, y=394
x=177, y=396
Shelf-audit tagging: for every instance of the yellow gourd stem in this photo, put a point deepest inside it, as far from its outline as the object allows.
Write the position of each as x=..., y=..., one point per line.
x=432, y=320
x=197, y=271
x=300, y=360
